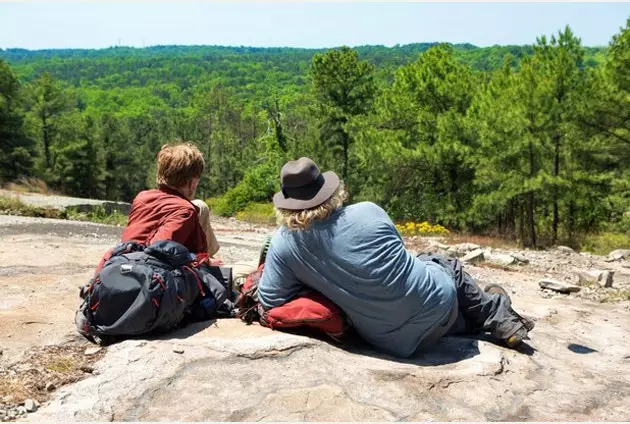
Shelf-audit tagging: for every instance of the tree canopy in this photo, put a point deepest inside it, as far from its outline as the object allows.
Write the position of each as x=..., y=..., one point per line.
x=527, y=142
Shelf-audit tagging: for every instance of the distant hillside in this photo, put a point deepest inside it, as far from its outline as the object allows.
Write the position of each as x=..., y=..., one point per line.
x=251, y=72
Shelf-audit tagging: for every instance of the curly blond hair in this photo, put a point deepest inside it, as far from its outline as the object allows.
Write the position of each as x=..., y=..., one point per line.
x=302, y=219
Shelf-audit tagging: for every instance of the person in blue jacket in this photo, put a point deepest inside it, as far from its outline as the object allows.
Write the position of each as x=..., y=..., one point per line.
x=355, y=256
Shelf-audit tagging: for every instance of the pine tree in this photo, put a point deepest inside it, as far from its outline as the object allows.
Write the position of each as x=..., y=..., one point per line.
x=424, y=140
x=344, y=88
x=80, y=164
x=559, y=63
x=16, y=149
x=47, y=103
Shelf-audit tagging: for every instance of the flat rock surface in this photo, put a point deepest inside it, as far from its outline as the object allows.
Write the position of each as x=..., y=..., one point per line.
x=63, y=202
x=575, y=367
x=558, y=286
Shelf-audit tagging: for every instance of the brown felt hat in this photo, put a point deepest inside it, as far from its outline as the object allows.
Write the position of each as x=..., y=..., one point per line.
x=304, y=186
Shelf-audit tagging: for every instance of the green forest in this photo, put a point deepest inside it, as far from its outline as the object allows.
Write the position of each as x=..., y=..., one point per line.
x=527, y=143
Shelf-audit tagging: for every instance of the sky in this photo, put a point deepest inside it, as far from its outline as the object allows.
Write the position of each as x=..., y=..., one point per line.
x=100, y=24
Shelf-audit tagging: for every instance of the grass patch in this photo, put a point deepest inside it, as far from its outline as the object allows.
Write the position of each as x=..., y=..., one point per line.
x=99, y=215
x=59, y=365
x=615, y=296
x=10, y=205
x=14, y=206
x=258, y=213
x=604, y=243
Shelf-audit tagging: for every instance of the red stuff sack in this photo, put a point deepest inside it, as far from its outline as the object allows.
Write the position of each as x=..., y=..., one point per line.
x=311, y=309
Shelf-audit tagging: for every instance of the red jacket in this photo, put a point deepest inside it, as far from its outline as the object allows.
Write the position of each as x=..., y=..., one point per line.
x=164, y=214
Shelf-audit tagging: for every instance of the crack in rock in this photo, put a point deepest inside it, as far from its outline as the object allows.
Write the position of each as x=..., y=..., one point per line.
x=271, y=353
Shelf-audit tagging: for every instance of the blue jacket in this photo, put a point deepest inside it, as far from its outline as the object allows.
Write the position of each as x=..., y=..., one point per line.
x=358, y=260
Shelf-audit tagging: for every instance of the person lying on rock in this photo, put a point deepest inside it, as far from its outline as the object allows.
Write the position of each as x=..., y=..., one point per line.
x=171, y=211
x=354, y=256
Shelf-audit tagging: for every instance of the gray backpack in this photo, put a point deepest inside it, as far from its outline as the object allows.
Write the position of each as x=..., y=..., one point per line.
x=149, y=290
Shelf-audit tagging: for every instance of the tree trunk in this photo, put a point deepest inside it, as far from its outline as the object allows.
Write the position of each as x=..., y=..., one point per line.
x=571, y=219
x=521, y=225
x=530, y=200
x=556, y=173
x=530, y=219
x=46, y=139
x=509, y=220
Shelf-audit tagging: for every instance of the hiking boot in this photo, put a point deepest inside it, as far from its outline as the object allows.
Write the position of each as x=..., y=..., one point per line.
x=516, y=338
x=495, y=289
x=527, y=324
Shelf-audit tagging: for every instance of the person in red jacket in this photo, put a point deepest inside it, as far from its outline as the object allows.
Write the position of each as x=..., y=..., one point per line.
x=170, y=211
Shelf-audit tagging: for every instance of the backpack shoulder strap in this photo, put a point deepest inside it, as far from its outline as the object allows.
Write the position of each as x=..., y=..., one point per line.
x=127, y=247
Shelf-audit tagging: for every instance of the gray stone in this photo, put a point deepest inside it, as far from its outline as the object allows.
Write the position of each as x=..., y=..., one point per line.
x=474, y=257
x=91, y=351
x=602, y=277
x=304, y=379
x=21, y=410
x=558, y=286
x=617, y=255
x=454, y=252
x=30, y=405
x=467, y=247
x=606, y=279
x=520, y=257
x=50, y=386
x=587, y=277
x=565, y=249
x=86, y=369
x=500, y=259
x=246, y=372
x=462, y=249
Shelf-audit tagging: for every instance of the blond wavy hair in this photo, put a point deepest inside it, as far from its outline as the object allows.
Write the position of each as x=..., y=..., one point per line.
x=302, y=219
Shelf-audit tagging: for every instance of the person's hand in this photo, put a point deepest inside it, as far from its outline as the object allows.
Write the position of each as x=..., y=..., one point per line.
x=216, y=262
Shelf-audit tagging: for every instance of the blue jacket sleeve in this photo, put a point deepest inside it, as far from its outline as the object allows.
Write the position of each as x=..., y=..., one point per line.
x=278, y=284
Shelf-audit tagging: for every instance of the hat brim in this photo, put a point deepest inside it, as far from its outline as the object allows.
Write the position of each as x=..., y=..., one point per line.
x=331, y=183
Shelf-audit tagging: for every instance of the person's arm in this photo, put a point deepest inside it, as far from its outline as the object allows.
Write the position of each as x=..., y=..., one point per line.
x=213, y=246
x=278, y=284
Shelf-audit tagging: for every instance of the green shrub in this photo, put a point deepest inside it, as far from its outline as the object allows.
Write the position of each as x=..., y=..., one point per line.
x=258, y=185
x=258, y=213
x=604, y=243
x=98, y=214
x=212, y=202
